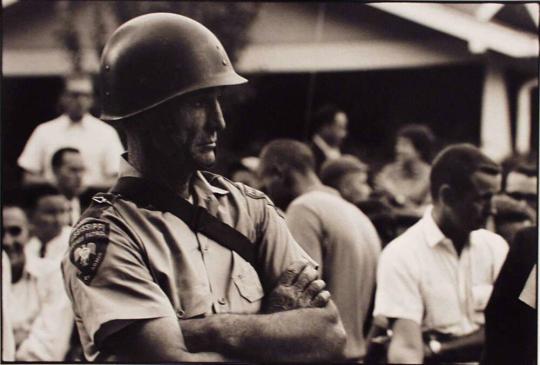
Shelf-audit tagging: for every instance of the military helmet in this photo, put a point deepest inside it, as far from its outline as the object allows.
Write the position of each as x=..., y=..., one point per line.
x=155, y=57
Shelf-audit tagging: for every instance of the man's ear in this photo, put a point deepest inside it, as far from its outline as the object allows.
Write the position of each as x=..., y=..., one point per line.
x=447, y=195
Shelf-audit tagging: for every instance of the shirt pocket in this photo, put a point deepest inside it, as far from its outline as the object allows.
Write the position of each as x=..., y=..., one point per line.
x=442, y=305
x=246, y=280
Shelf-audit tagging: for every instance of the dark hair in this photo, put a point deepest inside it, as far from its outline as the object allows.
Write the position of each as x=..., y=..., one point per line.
x=333, y=170
x=454, y=166
x=288, y=154
x=421, y=138
x=58, y=157
x=33, y=194
x=324, y=115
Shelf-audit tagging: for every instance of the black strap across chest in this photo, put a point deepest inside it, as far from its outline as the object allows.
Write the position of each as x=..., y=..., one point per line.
x=199, y=220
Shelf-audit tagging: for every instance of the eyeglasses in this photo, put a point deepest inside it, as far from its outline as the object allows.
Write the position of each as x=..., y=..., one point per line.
x=13, y=231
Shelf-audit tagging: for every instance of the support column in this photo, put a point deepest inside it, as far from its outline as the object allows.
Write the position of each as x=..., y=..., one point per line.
x=523, y=125
x=495, y=132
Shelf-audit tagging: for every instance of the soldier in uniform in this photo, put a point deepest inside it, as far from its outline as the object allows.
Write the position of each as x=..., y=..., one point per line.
x=178, y=264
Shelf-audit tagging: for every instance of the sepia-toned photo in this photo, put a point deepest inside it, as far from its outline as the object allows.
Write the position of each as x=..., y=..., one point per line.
x=269, y=182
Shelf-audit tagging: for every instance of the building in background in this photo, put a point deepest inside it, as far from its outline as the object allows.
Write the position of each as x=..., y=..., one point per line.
x=469, y=71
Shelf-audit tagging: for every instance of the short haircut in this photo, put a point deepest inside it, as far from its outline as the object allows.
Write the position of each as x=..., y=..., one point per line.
x=333, y=170
x=323, y=116
x=455, y=165
x=421, y=138
x=288, y=154
x=58, y=157
x=33, y=194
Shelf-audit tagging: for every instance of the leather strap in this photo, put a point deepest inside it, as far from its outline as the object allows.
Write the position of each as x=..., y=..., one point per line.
x=198, y=219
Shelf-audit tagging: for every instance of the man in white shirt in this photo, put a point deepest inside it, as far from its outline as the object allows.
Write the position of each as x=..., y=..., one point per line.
x=98, y=142
x=329, y=126
x=39, y=309
x=69, y=169
x=49, y=216
x=434, y=281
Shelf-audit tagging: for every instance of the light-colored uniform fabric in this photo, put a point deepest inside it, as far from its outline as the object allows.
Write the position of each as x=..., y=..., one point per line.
x=421, y=278
x=343, y=240
x=55, y=248
x=98, y=143
x=8, y=341
x=42, y=318
x=154, y=266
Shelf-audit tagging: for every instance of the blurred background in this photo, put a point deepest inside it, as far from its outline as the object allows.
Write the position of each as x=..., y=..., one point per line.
x=468, y=71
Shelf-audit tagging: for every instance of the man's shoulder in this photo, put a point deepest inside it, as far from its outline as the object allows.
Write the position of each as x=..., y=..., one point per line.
x=486, y=237
x=48, y=125
x=98, y=124
x=407, y=244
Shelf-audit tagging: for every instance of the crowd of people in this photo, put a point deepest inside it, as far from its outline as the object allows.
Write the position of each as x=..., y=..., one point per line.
x=302, y=253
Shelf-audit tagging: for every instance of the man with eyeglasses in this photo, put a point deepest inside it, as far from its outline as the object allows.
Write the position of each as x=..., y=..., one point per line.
x=38, y=310
x=98, y=142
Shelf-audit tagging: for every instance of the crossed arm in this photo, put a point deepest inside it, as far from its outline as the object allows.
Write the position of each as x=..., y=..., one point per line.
x=300, y=323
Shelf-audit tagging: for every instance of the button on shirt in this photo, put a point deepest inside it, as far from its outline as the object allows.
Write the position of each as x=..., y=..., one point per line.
x=42, y=318
x=98, y=143
x=421, y=278
x=155, y=266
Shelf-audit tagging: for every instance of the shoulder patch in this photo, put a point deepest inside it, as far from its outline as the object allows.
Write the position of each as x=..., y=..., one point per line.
x=88, y=245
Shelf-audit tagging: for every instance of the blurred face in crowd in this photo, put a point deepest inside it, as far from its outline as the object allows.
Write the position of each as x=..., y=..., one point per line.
x=77, y=98
x=470, y=209
x=405, y=150
x=334, y=133
x=50, y=216
x=353, y=186
x=190, y=136
x=15, y=235
x=522, y=188
x=69, y=175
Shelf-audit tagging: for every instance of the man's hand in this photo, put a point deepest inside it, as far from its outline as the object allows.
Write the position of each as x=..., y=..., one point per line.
x=298, y=287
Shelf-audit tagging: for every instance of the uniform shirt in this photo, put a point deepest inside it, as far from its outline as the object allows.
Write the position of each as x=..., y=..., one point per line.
x=41, y=315
x=98, y=143
x=343, y=240
x=151, y=265
x=55, y=249
x=421, y=278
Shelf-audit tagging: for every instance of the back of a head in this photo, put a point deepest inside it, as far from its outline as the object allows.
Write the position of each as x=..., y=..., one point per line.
x=421, y=137
x=333, y=170
x=287, y=154
x=454, y=166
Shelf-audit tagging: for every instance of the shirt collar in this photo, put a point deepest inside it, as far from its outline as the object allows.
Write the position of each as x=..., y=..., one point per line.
x=200, y=182
x=432, y=233
x=82, y=124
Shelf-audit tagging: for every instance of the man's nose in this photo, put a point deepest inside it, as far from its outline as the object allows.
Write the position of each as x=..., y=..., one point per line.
x=218, y=121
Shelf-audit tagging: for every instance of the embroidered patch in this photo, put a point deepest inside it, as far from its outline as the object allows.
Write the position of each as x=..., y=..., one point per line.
x=88, y=245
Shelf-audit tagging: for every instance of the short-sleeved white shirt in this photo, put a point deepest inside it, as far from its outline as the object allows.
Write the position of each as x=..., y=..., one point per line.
x=420, y=277
x=98, y=142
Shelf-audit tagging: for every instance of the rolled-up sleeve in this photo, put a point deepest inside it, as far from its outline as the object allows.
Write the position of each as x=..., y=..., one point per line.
x=398, y=292
x=120, y=291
